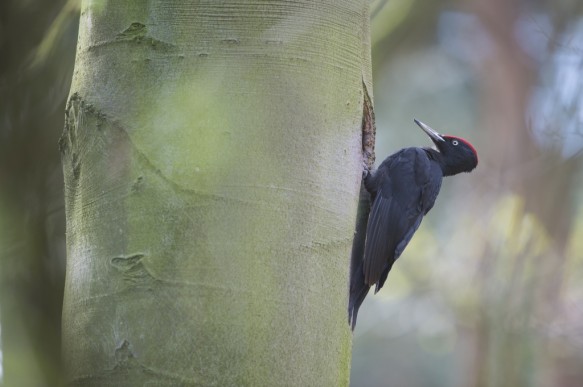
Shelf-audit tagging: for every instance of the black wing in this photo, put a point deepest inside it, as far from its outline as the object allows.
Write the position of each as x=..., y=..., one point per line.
x=404, y=188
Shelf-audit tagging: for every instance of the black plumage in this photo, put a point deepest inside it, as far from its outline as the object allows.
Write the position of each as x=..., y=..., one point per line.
x=403, y=189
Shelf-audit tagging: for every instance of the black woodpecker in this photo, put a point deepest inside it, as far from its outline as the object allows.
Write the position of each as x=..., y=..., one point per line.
x=403, y=189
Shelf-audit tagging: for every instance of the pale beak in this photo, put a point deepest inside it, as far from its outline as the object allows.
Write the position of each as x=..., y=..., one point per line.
x=436, y=137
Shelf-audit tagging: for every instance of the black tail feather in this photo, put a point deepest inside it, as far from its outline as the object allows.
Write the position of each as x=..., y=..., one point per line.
x=358, y=292
x=358, y=289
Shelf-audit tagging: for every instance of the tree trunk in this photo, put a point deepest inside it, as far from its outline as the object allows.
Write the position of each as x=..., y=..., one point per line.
x=212, y=158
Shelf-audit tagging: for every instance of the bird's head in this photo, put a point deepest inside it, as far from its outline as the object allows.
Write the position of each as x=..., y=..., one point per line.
x=457, y=154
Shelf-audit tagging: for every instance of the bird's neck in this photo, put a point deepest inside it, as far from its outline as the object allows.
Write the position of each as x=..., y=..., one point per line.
x=436, y=156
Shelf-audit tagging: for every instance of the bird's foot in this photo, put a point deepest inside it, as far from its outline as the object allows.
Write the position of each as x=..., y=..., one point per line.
x=365, y=170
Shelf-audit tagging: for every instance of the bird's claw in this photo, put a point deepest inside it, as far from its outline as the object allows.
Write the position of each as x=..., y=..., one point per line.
x=365, y=170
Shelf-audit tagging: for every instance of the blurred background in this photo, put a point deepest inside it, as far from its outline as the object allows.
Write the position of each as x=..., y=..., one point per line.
x=490, y=290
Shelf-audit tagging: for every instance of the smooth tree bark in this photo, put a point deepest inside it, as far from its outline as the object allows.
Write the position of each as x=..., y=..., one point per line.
x=212, y=156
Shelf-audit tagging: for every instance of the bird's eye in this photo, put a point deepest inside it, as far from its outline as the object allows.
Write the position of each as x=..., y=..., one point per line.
x=455, y=142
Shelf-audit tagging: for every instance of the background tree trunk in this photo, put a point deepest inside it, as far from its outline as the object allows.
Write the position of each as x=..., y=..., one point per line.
x=34, y=83
x=212, y=160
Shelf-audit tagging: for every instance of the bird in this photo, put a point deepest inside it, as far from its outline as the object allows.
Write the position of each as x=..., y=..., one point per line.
x=403, y=189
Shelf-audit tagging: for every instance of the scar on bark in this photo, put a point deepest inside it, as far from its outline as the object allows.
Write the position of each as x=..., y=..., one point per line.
x=137, y=33
x=133, y=269
x=123, y=354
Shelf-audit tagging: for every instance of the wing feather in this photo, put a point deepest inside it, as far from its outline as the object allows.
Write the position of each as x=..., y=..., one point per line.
x=377, y=244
